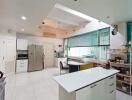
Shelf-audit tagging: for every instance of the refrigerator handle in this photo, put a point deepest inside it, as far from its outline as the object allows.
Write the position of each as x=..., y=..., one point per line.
x=43, y=59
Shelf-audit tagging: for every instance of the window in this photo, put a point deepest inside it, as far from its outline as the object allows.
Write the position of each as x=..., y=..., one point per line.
x=90, y=52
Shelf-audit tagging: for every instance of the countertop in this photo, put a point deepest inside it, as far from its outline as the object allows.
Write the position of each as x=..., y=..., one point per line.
x=74, y=81
x=75, y=63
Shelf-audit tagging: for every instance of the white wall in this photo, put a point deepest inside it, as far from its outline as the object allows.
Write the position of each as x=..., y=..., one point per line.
x=41, y=40
x=116, y=41
x=10, y=46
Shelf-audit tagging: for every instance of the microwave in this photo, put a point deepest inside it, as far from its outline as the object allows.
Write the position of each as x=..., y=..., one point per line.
x=22, y=54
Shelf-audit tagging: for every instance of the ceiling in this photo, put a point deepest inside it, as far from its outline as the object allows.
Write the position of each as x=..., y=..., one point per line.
x=109, y=11
x=66, y=20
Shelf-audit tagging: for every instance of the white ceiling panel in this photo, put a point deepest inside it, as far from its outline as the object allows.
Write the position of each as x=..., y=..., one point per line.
x=37, y=10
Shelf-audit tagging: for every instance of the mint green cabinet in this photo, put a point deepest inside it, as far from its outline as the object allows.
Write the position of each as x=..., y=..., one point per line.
x=104, y=36
x=72, y=42
x=95, y=38
x=89, y=39
x=129, y=31
x=129, y=37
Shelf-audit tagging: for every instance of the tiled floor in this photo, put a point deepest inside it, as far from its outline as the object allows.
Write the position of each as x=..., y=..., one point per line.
x=38, y=86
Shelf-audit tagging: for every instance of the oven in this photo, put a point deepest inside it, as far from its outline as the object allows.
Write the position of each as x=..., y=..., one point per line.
x=22, y=54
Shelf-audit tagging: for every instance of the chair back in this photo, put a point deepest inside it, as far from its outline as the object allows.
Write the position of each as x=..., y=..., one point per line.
x=61, y=65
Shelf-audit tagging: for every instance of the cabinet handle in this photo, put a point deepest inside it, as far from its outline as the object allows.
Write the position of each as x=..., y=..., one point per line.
x=112, y=91
x=112, y=77
x=111, y=84
x=21, y=66
x=94, y=86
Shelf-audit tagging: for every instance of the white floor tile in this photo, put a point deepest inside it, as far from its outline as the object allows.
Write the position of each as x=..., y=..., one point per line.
x=38, y=86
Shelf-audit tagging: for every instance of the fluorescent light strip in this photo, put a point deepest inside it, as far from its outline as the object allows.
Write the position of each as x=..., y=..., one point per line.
x=66, y=9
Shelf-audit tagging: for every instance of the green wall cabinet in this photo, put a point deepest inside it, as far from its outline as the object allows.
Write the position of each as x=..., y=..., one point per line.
x=129, y=38
x=129, y=31
x=95, y=38
x=104, y=36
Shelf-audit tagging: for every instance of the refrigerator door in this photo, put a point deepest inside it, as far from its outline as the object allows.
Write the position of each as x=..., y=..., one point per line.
x=35, y=58
x=39, y=57
x=31, y=55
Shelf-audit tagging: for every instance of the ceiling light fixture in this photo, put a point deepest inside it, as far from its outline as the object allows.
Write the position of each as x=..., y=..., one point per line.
x=74, y=12
x=23, y=18
x=22, y=29
x=43, y=22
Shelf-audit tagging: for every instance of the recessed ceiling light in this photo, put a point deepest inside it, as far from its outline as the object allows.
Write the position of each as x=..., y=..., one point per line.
x=43, y=22
x=23, y=18
x=107, y=17
x=22, y=29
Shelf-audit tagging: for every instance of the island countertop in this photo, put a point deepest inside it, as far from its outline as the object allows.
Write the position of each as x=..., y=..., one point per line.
x=77, y=80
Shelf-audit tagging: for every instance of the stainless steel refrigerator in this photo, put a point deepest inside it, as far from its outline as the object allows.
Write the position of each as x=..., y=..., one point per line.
x=36, y=58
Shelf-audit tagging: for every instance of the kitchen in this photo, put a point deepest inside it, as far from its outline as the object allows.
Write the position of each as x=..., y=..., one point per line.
x=66, y=51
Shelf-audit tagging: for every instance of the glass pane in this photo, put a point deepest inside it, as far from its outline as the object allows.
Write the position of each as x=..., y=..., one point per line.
x=103, y=53
x=104, y=36
x=90, y=52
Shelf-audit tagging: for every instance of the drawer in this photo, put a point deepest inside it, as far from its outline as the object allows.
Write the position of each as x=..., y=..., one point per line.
x=111, y=79
x=111, y=83
x=111, y=87
x=111, y=95
x=21, y=69
x=22, y=63
x=22, y=66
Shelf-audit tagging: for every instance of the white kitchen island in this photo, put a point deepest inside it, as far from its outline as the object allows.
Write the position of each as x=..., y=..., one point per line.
x=91, y=84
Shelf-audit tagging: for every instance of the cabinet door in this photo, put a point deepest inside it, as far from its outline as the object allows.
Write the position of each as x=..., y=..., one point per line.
x=94, y=38
x=104, y=36
x=111, y=88
x=2, y=55
x=129, y=31
x=98, y=91
x=84, y=94
x=22, y=44
x=7, y=55
x=92, y=92
x=10, y=46
x=111, y=95
x=22, y=65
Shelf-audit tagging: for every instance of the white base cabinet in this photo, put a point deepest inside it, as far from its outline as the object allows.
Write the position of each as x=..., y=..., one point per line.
x=22, y=66
x=101, y=90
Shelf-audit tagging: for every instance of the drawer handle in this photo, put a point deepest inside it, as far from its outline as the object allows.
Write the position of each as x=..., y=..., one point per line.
x=112, y=77
x=93, y=86
x=112, y=91
x=111, y=84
